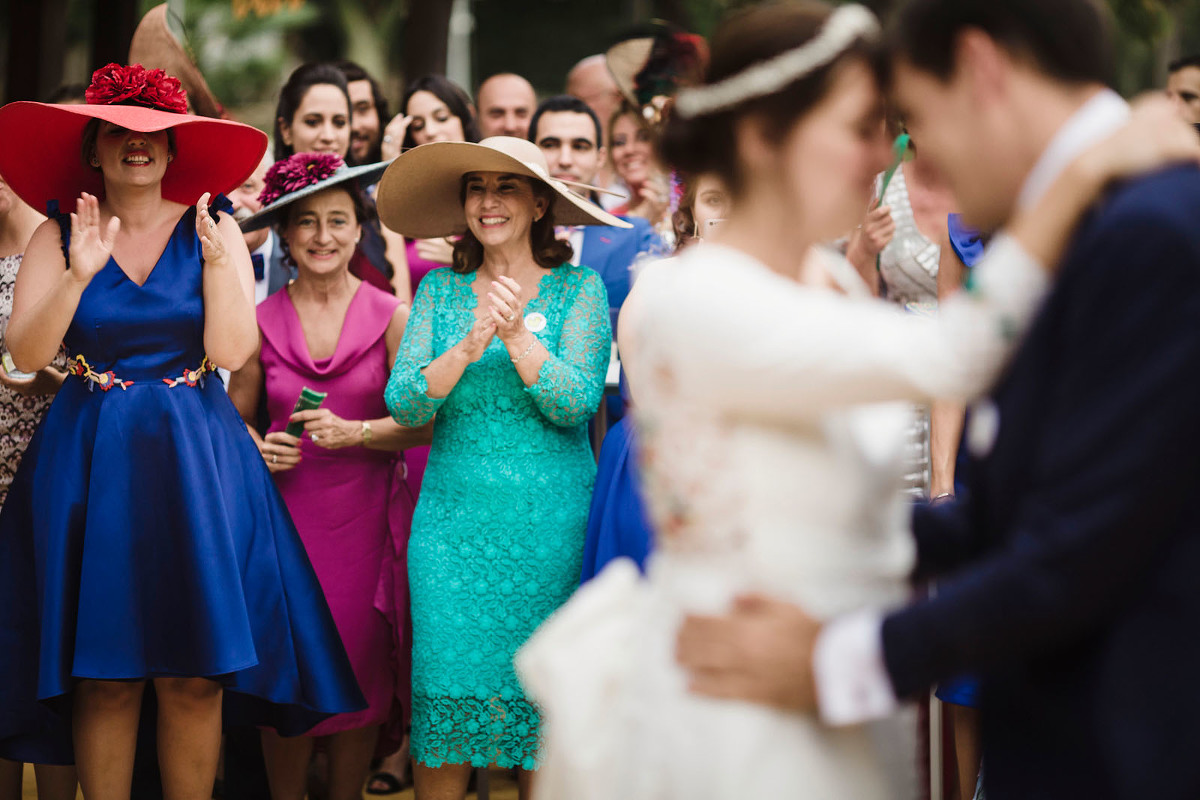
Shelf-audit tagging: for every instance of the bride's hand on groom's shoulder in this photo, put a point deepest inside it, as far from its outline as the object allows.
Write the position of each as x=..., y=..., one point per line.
x=1154, y=137
x=761, y=652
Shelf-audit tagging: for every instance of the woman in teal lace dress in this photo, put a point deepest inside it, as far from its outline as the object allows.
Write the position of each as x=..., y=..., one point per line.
x=509, y=349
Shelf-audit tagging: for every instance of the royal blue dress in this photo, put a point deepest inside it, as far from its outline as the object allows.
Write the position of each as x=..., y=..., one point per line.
x=618, y=524
x=143, y=536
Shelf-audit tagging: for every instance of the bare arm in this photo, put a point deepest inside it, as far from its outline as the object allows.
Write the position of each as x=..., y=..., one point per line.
x=47, y=291
x=397, y=255
x=230, y=328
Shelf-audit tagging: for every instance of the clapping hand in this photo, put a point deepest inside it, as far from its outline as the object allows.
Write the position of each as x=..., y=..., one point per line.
x=477, y=339
x=761, y=652
x=91, y=243
x=507, y=309
x=212, y=243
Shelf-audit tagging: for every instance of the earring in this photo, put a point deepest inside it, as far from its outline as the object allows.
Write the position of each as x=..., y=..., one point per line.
x=95, y=161
x=170, y=157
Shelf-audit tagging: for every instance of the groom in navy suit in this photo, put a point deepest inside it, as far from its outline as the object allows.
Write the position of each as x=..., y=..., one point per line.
x=1069, y=575
x=568, y=131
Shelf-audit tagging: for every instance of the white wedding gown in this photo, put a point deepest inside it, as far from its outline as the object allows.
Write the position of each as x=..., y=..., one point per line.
x=772, y=465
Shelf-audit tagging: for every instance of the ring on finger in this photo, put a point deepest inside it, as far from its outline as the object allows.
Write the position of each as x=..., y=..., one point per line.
x=510, y=317
x=274, y=458
x=314, y=437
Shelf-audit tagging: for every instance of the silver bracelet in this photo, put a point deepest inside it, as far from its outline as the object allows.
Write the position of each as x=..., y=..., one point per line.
x=528, y=350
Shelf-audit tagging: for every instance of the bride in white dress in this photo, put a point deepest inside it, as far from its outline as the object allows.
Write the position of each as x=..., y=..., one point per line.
x=773, y=417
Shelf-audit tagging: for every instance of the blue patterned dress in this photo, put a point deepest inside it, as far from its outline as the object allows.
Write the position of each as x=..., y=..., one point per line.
x=497, y=536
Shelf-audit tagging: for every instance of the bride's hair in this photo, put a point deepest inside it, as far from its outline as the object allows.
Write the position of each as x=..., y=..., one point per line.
x=705, y=142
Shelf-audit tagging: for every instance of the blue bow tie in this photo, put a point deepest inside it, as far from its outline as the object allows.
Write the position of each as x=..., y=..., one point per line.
x=260, y=265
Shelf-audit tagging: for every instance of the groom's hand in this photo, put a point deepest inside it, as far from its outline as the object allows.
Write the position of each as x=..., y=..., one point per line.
x=761, y=652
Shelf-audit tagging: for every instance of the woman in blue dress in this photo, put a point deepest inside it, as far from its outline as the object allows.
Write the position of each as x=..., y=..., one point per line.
x=509, y=348
x=143, y=541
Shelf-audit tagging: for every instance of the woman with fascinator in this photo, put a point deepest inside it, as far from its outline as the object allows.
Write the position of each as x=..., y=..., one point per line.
x=772, y=453
x=143, y=543
x=342, y=474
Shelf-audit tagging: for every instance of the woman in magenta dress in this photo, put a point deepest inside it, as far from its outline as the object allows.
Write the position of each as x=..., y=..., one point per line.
x=343, y=478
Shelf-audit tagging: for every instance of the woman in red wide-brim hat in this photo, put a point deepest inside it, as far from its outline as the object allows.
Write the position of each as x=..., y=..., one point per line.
x=143, y=539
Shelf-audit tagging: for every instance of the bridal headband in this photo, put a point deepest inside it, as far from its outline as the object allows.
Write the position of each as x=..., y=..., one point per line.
x=844, y=26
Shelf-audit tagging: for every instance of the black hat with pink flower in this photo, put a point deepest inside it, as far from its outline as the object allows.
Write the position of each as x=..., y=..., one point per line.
x=303, y=174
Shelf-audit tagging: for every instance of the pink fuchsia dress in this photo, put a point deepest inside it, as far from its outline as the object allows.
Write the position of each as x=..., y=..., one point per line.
x=351, y=506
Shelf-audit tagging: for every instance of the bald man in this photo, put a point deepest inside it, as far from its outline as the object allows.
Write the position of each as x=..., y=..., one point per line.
x=591, y=82
x=506, y=102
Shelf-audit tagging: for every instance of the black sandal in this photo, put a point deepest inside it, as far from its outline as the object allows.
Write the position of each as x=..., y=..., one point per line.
x=391, y=784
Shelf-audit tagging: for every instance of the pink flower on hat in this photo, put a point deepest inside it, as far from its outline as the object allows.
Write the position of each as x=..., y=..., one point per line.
x=296, y=172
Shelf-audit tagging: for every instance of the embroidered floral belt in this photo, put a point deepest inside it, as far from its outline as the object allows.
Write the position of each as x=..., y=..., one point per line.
x=79, y=367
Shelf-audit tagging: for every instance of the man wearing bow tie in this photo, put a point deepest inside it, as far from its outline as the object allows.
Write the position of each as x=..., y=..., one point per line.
x=568, y=131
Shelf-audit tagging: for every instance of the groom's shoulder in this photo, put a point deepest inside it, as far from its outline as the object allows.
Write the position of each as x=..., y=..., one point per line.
x=1165, y=202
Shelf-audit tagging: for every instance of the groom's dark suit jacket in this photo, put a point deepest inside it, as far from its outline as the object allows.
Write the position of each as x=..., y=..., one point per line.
x=1070, y=574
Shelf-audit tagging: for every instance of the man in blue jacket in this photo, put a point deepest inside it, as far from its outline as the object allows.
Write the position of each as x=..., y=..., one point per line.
x=568, y=132
x=1068, y=575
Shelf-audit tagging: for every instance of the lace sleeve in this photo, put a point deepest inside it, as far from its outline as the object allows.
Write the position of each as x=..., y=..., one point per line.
x=571, y=381
x=407, y=392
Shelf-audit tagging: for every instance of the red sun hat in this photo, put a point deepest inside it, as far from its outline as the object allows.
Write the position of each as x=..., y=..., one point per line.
x=41, y=157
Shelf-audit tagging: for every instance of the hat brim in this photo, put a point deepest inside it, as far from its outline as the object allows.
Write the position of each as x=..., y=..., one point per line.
x=625, y=60
x=269, y=215
x=153, y=45
x=419, y=194
x=42, y=161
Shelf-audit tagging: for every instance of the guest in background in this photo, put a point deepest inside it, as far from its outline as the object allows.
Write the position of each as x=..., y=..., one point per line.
x=1183, y=87
x=509, y=349
x=705, y=200
x=313, y=112
x=591, y=82
x=506, y=102
x=631, y=151
x=23, y=403
x=568, y=133
x=368, y=109
x=270, y=272
x=330, y=332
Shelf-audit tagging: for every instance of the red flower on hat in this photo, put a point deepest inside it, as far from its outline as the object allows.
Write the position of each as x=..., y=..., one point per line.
x=297, y=171
x=164, y=92
x=115, y=84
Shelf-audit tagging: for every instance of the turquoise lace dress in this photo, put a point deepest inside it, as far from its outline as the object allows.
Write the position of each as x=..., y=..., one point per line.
x=497, y=536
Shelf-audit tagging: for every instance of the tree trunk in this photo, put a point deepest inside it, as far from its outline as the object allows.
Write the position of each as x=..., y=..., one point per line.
x=112, y=31
x=425, y=34
x=37, y=38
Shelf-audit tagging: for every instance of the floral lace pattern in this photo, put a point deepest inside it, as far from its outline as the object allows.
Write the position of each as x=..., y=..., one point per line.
x=19, y=414
x=497, y=537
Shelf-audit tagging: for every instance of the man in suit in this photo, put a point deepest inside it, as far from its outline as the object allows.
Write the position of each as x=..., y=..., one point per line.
x=568, y=132
x=1067, y=575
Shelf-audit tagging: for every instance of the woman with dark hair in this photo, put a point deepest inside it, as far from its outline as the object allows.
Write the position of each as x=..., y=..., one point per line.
x=772, y=450
x=314, y=116
x=509, y=348
x=313, y=113
x=705, y=201
x=632, y=142
x=329, y=332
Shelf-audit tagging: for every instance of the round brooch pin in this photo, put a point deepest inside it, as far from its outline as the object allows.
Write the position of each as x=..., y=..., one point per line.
x=535, y=322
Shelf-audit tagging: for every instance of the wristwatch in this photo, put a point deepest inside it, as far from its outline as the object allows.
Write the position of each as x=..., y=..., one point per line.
x=366, y=432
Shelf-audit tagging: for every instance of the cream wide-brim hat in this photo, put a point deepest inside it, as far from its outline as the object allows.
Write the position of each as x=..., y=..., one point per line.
x=420, y=197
